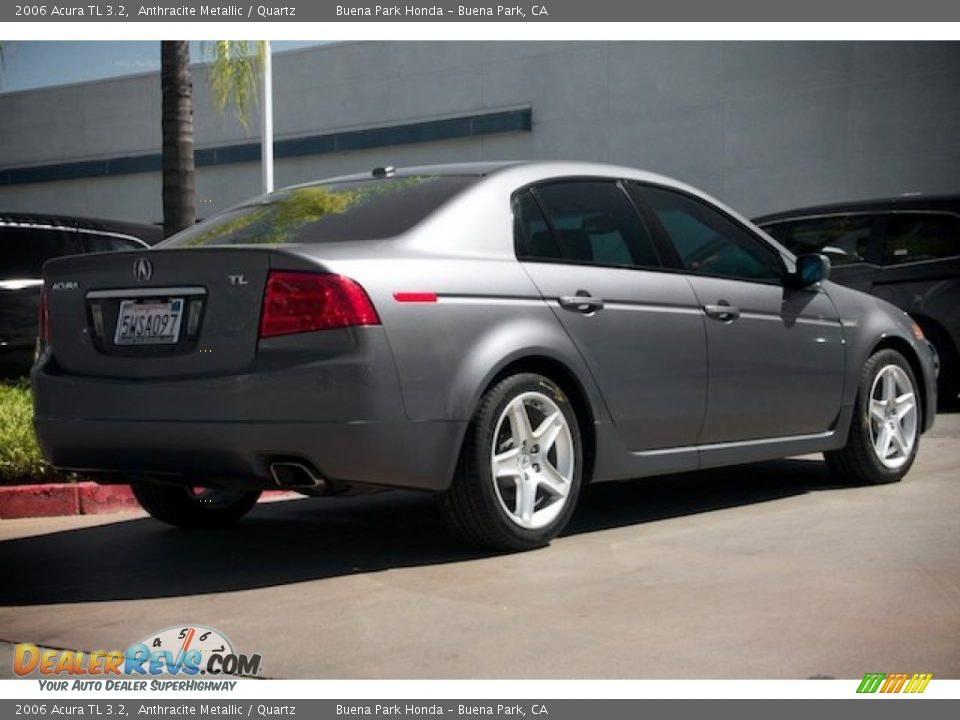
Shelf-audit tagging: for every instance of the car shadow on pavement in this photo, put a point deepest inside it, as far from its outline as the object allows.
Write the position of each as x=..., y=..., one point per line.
x=289, y=542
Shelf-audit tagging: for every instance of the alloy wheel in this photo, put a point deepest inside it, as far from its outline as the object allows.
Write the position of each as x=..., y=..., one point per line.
x=893, y=416
x=533, y=460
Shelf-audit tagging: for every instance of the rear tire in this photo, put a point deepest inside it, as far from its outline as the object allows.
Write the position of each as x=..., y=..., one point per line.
x=519, y=472
x=182, y=507
x=885, y=429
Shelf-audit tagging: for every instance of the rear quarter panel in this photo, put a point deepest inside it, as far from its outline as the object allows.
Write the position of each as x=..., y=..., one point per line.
x=487, y=315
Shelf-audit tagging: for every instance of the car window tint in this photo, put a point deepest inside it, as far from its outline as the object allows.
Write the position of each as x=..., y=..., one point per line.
x=593, y=224
x=709, y=242
x=913, y=237
x=23, y=251
x=108, y=243
x=532, y=235
x=330, y=212
x=845, y=239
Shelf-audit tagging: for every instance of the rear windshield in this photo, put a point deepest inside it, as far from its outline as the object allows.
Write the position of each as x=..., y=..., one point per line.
x=365, y=210
x=23, y=251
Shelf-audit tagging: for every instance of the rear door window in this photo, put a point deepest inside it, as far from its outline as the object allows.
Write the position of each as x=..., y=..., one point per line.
x=584, y=222
x=24, y=250
x=845, y=239
x=918, y=237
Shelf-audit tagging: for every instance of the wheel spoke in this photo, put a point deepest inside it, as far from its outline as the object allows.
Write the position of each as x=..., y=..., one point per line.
x=882, y=444
x=553, y=481
x=505, y=464
x=878, y=410
x=548, y=431
x=897, y=441
x=905, y=403
x=526, y=499
x=520, y=423
x=889, y=386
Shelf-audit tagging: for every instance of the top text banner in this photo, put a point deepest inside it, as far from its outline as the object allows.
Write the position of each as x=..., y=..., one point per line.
x=300, y=11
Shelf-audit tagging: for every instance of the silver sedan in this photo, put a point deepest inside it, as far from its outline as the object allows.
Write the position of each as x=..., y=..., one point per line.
x=497, y=334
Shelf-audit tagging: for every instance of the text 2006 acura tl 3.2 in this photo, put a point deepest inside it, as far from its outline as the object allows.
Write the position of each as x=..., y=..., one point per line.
x=498, y=334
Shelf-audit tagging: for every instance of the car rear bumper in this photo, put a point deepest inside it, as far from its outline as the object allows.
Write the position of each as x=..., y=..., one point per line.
x=341, y=415
x=418, y=455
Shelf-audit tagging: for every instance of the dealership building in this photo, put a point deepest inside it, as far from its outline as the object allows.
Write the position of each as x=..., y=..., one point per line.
x=763, y=126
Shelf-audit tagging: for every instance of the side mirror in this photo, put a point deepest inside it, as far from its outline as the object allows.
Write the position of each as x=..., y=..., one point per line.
x=812, y=269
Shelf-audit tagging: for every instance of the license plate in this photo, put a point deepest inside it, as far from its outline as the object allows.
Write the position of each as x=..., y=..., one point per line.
x=149, y=322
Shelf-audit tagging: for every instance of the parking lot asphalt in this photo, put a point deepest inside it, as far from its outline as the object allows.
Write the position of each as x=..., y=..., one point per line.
x=763, y=571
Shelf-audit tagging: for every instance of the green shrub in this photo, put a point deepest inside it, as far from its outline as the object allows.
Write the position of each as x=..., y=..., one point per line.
x=20, y=458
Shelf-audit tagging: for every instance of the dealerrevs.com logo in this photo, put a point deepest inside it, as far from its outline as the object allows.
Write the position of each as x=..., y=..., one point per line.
x=185, y=650
x=888, y=683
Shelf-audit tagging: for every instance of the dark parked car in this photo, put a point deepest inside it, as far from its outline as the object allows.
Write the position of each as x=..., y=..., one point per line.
x=905, y=250
x=28, y=241
x=497, y=334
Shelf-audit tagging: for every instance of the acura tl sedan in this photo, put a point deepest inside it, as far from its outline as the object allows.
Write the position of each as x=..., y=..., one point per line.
x=496, y=334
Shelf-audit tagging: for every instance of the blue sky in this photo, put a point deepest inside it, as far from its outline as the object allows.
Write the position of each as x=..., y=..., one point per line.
x=36, y=64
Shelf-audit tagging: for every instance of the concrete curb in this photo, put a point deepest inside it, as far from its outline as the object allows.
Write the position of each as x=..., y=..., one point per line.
x=84, y=498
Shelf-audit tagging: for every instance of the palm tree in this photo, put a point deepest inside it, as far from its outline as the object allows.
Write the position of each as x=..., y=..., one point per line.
x=235, y=70
x=176, y=122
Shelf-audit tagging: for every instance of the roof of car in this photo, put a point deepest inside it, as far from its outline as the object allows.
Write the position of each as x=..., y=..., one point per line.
x=481, y=169
x=150, y=234
x=911, y=201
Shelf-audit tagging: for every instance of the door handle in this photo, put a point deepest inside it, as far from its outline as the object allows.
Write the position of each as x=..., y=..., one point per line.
x=582, y=303
x=723, y=311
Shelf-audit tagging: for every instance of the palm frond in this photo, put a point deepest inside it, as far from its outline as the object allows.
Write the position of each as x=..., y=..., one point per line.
x=235, y=70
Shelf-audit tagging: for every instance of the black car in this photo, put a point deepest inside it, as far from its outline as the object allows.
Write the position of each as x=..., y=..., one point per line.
x=27, y=241
x=905, y=250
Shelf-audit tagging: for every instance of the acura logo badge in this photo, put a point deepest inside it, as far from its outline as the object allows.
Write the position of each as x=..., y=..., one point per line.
x=142, y=269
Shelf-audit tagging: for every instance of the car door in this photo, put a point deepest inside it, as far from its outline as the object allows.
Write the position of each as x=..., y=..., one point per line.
x=638, y=328
x=850, y=240
x=776, y=353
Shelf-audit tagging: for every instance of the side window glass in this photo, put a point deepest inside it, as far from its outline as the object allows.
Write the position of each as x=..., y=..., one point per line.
x=845, y=239
x=593, y=223
x=24, y=250
x=708, y=242
x=532, y=235
x=94, y=242
x=914, y=237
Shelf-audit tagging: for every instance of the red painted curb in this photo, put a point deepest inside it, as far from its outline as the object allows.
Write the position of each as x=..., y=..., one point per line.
x=85, y=498
x=99, y=499
x=38, y=500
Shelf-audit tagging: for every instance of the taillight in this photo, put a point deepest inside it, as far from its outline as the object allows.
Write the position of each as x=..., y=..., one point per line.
x=44, y=314
x=296, y=302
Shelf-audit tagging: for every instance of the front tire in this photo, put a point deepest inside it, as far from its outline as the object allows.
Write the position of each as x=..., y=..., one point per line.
x=520, y=468
x=189, y=508
x=885, y=430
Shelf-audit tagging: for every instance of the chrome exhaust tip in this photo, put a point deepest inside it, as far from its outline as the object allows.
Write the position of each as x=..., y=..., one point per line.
x=293, y=474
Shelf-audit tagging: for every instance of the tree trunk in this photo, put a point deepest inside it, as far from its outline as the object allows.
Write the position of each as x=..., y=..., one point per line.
x=179, y=209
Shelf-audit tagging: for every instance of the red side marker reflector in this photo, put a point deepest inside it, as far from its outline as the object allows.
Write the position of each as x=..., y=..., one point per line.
x=421, y=297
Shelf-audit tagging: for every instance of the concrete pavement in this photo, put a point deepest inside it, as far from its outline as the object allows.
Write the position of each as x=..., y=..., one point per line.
x=765, y=571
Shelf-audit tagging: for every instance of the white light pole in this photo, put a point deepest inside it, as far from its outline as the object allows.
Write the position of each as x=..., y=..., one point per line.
x=266, y=121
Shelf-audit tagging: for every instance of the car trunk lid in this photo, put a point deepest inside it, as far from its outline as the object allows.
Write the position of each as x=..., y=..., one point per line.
x=157, y=313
